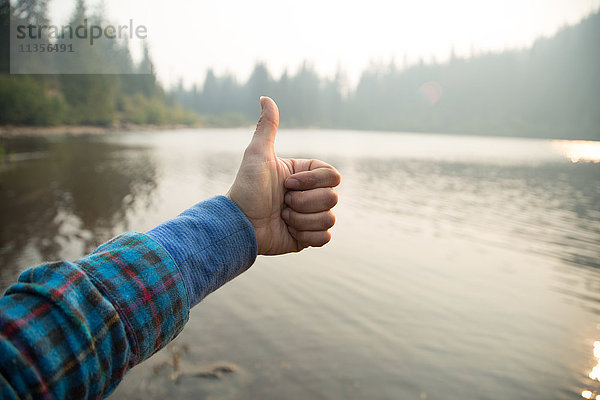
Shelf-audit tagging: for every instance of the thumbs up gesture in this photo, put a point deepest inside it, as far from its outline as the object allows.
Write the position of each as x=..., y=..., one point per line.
x=288, y=201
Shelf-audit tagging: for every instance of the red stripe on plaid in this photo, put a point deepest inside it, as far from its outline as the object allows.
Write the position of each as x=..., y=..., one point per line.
x=14, y=325
x=147, y=294
x=163, y=287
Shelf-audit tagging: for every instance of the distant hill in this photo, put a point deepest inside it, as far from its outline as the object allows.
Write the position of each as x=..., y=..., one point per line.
x=86, y=98
x=549, y=90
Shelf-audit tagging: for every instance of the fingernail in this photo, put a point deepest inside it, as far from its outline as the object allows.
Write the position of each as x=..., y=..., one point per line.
x=293, y=183
x=261, y=102
x=285, y=214
x=288, y=198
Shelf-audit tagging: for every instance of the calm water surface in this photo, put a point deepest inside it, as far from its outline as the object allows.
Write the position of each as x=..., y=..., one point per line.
x=461, y=267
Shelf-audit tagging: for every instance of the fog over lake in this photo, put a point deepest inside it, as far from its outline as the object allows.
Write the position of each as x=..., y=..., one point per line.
x=460, y=267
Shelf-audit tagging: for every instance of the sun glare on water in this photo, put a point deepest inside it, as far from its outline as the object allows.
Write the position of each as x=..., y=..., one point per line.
x=594, y=373
x=578, y=150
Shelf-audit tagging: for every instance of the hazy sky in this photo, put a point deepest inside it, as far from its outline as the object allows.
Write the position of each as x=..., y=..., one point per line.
x=187, y=37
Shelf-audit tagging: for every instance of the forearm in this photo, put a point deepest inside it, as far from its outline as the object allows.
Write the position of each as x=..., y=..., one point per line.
x=74, y=329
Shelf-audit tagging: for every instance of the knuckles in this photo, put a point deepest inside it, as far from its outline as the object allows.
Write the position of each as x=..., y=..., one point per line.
x=327, y=221
x=324, y=199
x=322, y=221
x=309, y=181
x=322, y=240
x=331, y=220
x=323, y=177
x=334, y=198
x=337, y=178
x=314, y=239
x=329, y=198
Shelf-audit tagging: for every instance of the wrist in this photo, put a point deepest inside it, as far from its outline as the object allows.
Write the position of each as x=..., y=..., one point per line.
x=234, y=200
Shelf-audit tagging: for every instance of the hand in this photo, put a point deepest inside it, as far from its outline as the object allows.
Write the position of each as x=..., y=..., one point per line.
x=288, y=201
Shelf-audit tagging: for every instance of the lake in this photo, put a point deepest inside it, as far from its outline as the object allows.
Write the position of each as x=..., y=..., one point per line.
x=460, y=267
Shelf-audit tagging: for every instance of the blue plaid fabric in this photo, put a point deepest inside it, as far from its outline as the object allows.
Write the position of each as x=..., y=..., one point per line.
x=73, y=329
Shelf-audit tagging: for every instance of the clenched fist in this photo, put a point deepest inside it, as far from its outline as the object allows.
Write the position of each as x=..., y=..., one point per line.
x=288, y=201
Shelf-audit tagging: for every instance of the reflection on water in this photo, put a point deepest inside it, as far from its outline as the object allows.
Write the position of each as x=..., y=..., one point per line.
x=578, y=150
x=460, y=267
x=61, y=198
x=594, y=374
x=587, y=394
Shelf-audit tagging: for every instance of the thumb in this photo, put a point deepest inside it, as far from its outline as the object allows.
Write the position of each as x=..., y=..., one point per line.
x=266, y=129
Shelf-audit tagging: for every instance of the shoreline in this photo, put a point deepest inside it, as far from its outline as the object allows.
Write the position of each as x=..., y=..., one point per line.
x=12, y=131
x=15, y=131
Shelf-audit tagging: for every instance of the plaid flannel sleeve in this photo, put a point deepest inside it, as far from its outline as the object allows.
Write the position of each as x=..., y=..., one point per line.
x=73, y=329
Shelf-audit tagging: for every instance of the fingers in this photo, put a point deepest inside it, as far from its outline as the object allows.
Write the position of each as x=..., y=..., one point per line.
x=310, y=238
x=319, y=178
x=266, y=129
x=309, y=215
x=308, y=222
x=311, y=201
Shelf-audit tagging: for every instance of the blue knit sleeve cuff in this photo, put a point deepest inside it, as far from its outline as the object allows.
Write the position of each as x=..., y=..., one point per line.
x=211, y=242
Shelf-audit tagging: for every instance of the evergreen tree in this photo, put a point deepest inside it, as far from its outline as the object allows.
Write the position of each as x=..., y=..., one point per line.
x=550, y=90
x=34, y=12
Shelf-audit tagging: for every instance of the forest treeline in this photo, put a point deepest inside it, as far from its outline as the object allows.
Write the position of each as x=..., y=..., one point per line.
x=548, y=90
x=551, y=89
x=81, y=99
